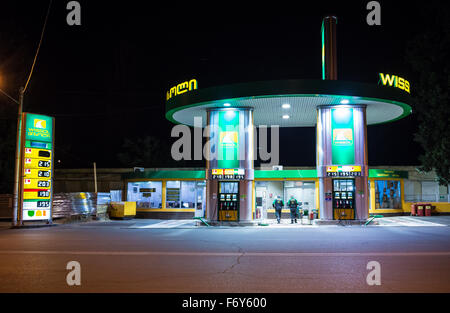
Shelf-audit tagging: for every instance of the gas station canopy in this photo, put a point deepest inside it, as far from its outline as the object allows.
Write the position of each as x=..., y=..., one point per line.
x=290, y=103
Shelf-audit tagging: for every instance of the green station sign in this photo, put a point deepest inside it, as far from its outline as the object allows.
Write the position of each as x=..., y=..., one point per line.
x=342, y=146
x=38, y=127
x=382, y=173
x=228, y=150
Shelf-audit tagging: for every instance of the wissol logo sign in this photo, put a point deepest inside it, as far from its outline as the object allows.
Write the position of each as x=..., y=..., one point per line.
x=40, y=123
x=394, y=81
x=181, y=88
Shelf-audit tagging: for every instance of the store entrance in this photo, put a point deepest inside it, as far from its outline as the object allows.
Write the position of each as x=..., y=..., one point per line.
x=261, y=203
x=343, y=199
x=200, y=190
x=267, y=191
x=228, y=201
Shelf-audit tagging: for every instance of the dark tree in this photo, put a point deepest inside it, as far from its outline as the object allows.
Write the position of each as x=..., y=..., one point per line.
x=428, y=55
x=147, y=151
x=7, y=152
x=15, y=58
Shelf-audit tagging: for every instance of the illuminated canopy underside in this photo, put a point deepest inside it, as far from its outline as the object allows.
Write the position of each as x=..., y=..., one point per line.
x=384, y=104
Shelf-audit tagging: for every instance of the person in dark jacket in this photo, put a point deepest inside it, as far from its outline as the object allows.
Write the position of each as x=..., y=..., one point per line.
x=293, y=206
x=278, y=205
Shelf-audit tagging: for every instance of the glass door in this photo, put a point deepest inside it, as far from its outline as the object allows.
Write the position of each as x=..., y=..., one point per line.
x=261, y=202
x=200, y=190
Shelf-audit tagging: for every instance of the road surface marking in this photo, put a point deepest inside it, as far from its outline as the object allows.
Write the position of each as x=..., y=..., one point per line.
x=218, y=254
x=405, y=221
x=164, y=224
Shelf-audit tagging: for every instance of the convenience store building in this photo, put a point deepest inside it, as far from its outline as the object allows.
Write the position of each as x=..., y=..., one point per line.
x=340, y=187
x=180, y=193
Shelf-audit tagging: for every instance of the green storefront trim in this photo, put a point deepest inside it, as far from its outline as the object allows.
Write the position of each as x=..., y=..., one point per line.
x=259, y=174
x=166, y=175
x=200, y=174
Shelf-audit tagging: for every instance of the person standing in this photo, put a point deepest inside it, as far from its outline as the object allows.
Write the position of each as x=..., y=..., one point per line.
x=293, y=205
x=278, y=205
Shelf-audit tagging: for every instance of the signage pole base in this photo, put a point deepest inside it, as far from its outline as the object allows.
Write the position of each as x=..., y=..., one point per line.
x=32, y=225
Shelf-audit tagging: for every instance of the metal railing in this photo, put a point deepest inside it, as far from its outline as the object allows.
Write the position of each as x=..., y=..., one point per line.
x=428, y=198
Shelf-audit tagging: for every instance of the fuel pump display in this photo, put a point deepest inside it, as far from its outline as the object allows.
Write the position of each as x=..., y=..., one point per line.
x=228, y=201
x=343, y=199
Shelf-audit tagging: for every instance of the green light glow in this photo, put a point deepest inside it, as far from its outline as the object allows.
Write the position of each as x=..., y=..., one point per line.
x=323, y=52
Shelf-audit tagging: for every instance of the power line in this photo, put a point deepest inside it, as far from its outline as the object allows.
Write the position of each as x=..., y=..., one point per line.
x=39, y=47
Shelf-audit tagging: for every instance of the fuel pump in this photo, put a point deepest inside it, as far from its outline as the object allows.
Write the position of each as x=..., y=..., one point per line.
x=228, y=201
x=343, y=199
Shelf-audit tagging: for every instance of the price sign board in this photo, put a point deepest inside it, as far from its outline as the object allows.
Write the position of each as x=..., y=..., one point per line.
x=344, y=171
x=36, y=167
x=228, y=173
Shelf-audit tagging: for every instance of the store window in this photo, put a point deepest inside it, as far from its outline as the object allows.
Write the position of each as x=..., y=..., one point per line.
x=269, y=190
x=387, y=194
x=303, y=191
x=146, y=194
x=183, y=194
x=188, y=195
x=173, y=191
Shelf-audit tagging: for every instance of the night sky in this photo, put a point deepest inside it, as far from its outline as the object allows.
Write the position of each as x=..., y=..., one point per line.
x=106, y=79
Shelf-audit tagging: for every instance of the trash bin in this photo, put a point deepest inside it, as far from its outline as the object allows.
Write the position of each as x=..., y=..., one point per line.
x=428, y=209
x=316, y=214
x=123, y=210
x=420, y=209
x=413, y=209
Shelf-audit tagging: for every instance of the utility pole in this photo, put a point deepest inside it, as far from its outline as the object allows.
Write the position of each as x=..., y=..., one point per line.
x=17, y=174
x=95, y=177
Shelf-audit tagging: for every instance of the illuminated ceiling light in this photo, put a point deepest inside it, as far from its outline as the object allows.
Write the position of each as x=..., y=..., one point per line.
x=343, y=112
x=286, y=106
x=229, y=115
x=285, y=116
x=344, y=101
x=226, y=104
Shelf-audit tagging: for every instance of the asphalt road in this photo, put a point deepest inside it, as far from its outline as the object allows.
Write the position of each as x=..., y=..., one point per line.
x=124, y=257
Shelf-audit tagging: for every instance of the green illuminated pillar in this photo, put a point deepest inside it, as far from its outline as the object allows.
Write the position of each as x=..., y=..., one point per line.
x=342, y=142
x=228, y=145
x=230, y=148
x=342, y=131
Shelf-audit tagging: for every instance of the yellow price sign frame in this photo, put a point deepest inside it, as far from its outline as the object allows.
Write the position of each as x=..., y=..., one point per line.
x=36, y=153
x=33, y=173
x=29, y=194
x=37, y=163
x=37, y=183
